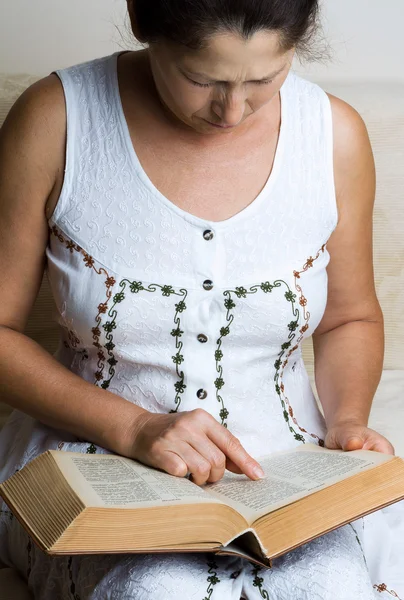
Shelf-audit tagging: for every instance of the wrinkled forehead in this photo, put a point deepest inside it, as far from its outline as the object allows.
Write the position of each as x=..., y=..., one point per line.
x=229, y=57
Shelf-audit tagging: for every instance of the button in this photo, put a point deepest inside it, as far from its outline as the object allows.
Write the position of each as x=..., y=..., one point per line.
x=202, y=394
x=208, y=285
x=208, y=235
x=202, y=338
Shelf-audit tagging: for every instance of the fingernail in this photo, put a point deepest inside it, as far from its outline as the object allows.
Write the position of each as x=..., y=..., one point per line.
x=259, y=473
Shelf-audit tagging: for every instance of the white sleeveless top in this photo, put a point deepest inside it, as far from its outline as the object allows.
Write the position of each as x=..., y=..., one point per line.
x=174, y=312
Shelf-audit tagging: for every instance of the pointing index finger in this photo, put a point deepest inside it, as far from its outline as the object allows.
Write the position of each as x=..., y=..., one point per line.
x=233, y=450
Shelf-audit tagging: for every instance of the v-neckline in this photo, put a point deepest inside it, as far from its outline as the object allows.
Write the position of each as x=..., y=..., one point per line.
x=166, y=202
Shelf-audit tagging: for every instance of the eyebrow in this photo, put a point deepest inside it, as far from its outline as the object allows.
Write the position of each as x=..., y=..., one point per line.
x=211, y=80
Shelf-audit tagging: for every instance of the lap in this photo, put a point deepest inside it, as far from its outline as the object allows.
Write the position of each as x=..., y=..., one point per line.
x=332, y=567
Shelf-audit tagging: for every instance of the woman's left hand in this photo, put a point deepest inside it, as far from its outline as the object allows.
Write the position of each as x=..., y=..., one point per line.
x=352, y=436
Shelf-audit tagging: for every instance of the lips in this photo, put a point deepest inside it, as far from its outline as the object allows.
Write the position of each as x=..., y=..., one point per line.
x=220, y=126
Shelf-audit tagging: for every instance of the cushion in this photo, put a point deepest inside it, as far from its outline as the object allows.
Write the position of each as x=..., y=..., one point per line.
x=387, y=414
x=382, y=108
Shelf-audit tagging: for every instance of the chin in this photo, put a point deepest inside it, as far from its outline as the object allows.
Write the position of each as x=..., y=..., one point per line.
x=217, y=131
x=210, y=130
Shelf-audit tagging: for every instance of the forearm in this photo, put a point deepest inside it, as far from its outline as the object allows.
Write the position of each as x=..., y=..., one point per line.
x=348, y=366
x=32, y=381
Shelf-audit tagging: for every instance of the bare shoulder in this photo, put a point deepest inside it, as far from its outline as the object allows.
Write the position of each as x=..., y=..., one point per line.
x=353, y=156
x=41, y=105
x=350, y=133
x=34, y=131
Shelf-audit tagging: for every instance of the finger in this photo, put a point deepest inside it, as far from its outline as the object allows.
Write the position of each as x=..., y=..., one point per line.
x=197, y=464
x=234, y=451
x=213, y=455
x=354, y=442
x=230, y=466
x=344, y=440
x=171, y=463
x=331, y=442
x=380, y=444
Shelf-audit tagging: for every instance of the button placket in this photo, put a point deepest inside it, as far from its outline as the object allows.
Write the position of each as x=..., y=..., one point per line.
x=207, y=264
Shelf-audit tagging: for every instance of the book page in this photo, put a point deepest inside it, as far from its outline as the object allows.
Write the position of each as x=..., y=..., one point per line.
x=105, y=480
x=290, y=476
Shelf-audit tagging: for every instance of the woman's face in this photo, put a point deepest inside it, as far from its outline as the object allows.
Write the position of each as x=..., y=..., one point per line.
x=219, y=88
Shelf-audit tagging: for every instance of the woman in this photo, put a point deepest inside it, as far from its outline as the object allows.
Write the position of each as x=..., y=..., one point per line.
x=188, y=198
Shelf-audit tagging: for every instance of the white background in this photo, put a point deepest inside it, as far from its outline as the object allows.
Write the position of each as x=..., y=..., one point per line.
x=38, y=36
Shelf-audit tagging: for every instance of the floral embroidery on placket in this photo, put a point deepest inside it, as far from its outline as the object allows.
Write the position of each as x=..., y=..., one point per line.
x=135, y=287
x=280, y=364
x=258, y=582
x=213, y=579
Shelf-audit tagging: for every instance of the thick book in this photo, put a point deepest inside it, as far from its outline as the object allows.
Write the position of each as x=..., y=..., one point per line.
x=72, y=503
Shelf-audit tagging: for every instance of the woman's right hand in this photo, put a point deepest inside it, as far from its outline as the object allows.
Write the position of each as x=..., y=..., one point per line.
x=190, y=442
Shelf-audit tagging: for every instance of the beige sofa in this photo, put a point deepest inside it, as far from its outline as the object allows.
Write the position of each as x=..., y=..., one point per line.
x=382, y=107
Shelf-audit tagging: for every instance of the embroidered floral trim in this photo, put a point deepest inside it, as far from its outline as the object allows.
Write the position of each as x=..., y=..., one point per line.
x=280, y=363
x=135, y=287
x=359, y=542
x=179, y=386
x=382, y=587
x=73, y=340
x=283, y=361
x=91, y=449
x=178, y=358
x=102, y=308
x=258, y=581
x=213, y=579
x=224, y=332
x=302, y=300
x=230, y=304
x=75, y=596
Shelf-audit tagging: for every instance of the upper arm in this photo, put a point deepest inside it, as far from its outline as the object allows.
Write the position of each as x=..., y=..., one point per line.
x=351, y=289
x=32, y=143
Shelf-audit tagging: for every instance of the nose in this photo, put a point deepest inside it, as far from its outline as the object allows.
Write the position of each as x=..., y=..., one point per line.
x=230, y=109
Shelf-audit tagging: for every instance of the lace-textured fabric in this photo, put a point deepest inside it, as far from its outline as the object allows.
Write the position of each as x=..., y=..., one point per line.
x=174, y=312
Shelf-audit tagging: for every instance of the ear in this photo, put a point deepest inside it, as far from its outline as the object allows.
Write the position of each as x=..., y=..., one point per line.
x=133, y=21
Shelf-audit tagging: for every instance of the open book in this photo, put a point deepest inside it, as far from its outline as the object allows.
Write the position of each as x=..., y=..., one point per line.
x=72, y=503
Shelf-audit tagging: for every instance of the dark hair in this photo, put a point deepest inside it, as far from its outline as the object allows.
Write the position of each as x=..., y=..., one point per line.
x=192, y=22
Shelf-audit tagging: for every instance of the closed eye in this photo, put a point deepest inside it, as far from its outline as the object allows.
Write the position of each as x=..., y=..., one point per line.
x=204, y=85
x=207, y=85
